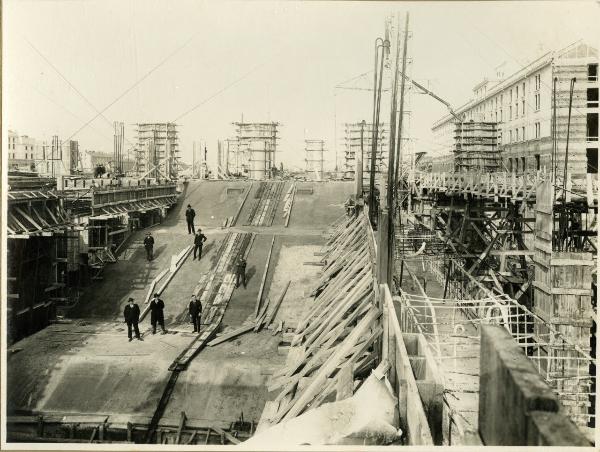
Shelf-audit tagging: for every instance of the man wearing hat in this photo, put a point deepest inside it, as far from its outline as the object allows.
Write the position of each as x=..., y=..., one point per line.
x=149, y=245
x=199, y=240
x=240, y=272
x=132, y=317
x=195, y=310
x=156, y=314
x=189, y=217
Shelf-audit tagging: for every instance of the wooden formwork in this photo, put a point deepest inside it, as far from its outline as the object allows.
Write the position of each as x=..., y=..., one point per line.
x=562, y=300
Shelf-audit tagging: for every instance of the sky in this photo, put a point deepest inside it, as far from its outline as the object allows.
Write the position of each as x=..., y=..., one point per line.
x=206, y=64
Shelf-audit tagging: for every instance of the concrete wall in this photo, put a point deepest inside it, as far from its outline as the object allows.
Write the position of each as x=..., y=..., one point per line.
x=516, y=406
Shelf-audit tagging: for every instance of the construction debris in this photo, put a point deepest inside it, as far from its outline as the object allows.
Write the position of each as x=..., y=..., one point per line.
x=369, y=417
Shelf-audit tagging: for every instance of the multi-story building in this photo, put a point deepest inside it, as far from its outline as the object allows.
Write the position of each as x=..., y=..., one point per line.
x=525, y=105
x=22, y=151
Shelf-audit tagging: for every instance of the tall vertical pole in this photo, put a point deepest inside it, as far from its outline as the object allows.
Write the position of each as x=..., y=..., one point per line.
x=193, y=159
x=359, y=163
x=335, y=144
x=554, y=134
x=568, y=133
x=401, y=119
x=373, y=144
x=391, y=163
x=391, y=156
x=376, y=132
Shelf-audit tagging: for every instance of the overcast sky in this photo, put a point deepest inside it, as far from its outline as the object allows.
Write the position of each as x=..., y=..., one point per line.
x=205, y=64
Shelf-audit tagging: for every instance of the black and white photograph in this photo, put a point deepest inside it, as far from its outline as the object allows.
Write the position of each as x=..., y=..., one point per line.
x=299, y=225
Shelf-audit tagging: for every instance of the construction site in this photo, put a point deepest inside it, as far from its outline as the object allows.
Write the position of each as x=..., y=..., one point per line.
x=395, y=298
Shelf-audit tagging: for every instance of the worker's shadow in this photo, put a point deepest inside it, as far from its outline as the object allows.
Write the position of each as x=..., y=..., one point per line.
x=206, y=249
x=158, y=251
x=250, y=273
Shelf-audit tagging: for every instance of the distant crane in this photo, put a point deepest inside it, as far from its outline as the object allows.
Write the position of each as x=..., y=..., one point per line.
x=419, y=86
x=436, y=97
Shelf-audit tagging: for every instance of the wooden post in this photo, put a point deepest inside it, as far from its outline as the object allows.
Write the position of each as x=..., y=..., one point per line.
x=264, y=278
x=386, y=322
x=382, y=252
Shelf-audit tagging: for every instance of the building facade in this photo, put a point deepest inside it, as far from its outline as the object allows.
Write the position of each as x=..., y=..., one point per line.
x=22, y=151
x=524, y=107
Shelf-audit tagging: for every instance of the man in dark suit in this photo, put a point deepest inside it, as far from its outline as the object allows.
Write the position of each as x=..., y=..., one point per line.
x=132, y=317
x=195, y=309
x=149, y=245
x=199, y=240
x=240, y=272
x=189, y=218
x=156, y=314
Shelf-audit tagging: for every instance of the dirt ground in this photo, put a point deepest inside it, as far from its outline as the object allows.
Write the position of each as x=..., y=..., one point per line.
x=291, y=267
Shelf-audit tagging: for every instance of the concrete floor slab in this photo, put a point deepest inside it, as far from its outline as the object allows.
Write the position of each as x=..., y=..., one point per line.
x=322, y=207
x=228, y=379
x=89, y=368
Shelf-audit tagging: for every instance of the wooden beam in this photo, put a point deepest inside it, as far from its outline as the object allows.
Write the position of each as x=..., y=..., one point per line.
x=287, y=220
x=192, y=437
x=182, y=420
x=231, y=438
x=332, y=363
x=231, y=335
x=264, y=278
x=28, y=217
x=273, y=311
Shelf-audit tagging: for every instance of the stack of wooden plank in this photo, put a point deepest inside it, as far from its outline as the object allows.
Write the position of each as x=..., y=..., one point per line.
x=288, y=202
x=263, y=211
x=214, y=291
x=266, y=315
x=335, y=344
x=177, y=261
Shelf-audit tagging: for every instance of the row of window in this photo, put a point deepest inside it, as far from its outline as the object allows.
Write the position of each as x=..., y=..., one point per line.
x=513, y=113
x=12, y=146
x=519, y=164
x=14, y=154
x=519, y=134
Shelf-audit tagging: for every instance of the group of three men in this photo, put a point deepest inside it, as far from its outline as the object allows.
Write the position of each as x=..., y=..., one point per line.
x=199, y=238
x=157, y=316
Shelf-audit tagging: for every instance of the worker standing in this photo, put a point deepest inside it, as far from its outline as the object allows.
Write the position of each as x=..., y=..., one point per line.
x=240, y=272
x=190, y=214
x=350, y=207
x=157, y=314
x=132, y=317
x=195, y=310
x=199, y=240
x=149, y=245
